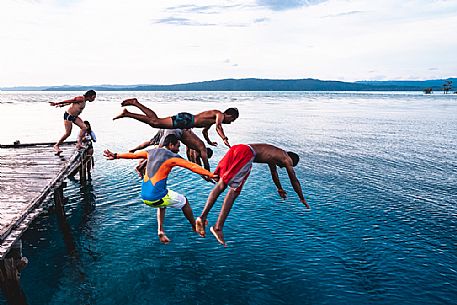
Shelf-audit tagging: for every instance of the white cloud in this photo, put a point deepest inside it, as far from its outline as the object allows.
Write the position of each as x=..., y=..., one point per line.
x=54, y=42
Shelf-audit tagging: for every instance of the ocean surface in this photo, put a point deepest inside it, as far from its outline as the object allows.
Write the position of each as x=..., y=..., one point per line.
x=378, y=169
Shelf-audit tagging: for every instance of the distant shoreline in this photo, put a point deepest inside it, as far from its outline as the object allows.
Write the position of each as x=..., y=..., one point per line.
x=255, y=84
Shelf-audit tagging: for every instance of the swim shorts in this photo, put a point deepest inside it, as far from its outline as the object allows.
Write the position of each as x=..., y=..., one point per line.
x=69, y=117
x=235, y=166
x=183, y=120
x=160, y=136
x=171, y=199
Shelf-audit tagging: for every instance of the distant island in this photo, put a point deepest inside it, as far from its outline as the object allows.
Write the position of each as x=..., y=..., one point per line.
x=255, y=84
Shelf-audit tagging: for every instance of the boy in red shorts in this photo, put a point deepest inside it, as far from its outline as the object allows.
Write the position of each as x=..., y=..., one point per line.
x=234, y=169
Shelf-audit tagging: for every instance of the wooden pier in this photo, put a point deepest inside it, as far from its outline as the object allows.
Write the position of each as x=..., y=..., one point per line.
x=30, y=174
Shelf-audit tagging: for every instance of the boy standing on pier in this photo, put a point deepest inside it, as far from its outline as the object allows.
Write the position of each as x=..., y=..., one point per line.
x=71, y=116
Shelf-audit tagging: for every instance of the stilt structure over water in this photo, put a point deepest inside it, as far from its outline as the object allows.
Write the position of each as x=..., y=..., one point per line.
x=29, y=175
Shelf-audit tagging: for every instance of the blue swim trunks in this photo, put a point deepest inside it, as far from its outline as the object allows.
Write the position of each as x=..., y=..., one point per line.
x=183, y=120
x=69, y=117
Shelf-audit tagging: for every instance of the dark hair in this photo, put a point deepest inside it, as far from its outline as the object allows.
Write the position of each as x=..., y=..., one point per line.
x=90, y=127
x=233, y=112
x=90, y=93
x=295, y=158
x=170, y=139
x=209, y=152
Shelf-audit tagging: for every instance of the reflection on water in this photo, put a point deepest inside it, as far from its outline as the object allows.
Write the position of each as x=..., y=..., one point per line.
x=377, y=168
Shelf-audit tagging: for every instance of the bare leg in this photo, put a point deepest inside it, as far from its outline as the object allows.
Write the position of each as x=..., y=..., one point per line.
x=212, y=197
x=187, y=210
x=141, y=167
x=160, y=217
x=193, y=142
x=134, y=102
x=225, y=210
x=165, y=123
x=81, y=125
x=68, y=126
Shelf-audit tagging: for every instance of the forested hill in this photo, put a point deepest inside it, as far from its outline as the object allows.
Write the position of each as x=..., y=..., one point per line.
x=255, y=84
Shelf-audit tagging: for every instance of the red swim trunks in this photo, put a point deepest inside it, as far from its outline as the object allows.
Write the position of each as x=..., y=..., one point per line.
x=235, y=166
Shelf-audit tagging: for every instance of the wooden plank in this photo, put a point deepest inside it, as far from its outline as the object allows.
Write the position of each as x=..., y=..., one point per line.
x=35, y=144
x=35, y=152
x=28, y=175
x=25, y=176
x=12, y=163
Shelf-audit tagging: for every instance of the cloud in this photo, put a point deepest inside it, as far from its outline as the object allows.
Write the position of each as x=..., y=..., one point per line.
x=281, y=5
x=181, y=21
x=228, y=62
x=174, y=41
x=345, y=14
x=201, y=9
x=231, y=15
x=260, y=20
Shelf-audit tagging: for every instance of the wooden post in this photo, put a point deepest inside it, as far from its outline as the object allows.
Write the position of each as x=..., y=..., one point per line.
x=83, y=169
x=59, y=200
x=10, y=272
x=89, y=166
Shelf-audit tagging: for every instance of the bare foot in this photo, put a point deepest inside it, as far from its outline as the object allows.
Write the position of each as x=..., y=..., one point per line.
x=57, y=149
x=130, y=102
x=200, y=226
x=219, y=236
x=163, y=238
x=122, y=114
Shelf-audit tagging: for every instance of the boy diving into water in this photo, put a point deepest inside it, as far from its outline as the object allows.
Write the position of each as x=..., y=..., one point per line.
x=154, y=191
x=233, y=171
x=183, y=120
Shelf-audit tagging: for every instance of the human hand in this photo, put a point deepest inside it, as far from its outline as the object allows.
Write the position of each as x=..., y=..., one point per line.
x=305, y=203
x=207, y=178
x=109, y=155
x=56, y=104
x=226, y=142
x=282, y=193
x=212, y=143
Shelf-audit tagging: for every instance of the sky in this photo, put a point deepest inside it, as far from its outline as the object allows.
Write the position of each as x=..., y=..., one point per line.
x=94, y=42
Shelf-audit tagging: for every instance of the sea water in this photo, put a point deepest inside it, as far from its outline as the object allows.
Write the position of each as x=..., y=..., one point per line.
x=378, y=169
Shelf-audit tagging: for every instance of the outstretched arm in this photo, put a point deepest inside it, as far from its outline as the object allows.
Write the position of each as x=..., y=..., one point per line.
x=192, y=167
x=77, y=99
x=205, y=135
x=219, y=129
x=141, y=146
x=296, y=184
x=274, y=176
x=137, y=155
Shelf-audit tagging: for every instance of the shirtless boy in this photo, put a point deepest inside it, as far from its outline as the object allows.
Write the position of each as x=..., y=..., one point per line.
x=183, y=120
x=234, y=169
x=71, y=116
x=187, y=137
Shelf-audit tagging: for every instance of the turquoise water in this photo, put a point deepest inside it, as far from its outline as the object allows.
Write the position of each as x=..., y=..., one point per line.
x=378, y=169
